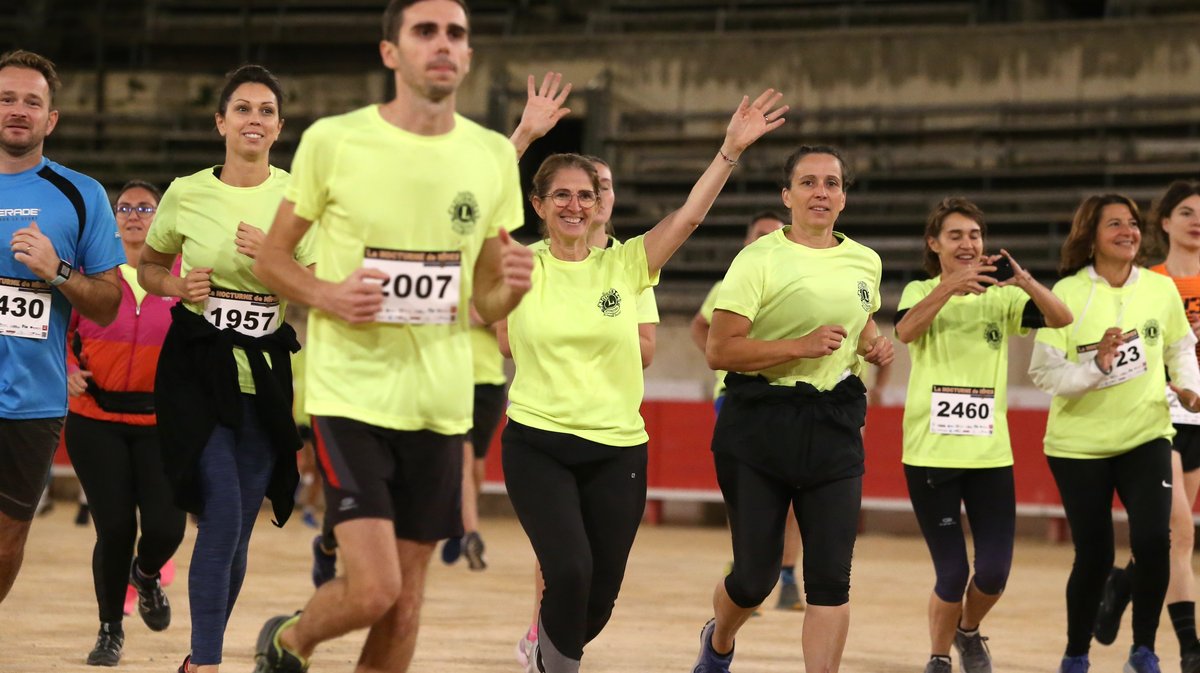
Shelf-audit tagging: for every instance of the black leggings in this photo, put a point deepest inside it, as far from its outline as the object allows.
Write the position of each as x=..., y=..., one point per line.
x=1142, y=479
x=580, y=503
x=121, y=471
x=937, y=496
x=758, y=504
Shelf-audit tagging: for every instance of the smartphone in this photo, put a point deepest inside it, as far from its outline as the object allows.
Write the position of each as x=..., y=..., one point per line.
x=1004, y=270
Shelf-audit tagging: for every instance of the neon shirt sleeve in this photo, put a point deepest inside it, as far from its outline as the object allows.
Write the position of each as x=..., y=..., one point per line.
x=741, y=291
x=710, y=303
x=306, y=253
x=1057, y=337
x=1013, y=317
x=647, y=307
x=308, y=188
x=913, y=293
x=100, y=248
x=633, y=261
x=510, y=210
x=164, y=234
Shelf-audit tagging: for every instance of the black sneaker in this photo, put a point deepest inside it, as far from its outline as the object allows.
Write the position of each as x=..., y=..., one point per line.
x=269, y=655
x=83, y=516
x=473, y=550
x=152, y=603
x=109, y=642
x=1113, y=602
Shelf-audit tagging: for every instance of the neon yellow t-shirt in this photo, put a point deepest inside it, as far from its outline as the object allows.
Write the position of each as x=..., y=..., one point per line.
x=129, y=273
x=787, y=290
x=367, y=184
x=485, y=355
x=647, y=304
x=575, y=346
x=198, y=217
x=706, y=310
x=965, y=347
x=1110, y=421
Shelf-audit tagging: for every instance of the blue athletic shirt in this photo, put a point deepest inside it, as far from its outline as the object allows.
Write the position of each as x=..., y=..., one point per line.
x=73, y=211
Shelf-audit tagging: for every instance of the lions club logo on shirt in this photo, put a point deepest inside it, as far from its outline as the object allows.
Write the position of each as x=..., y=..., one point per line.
x=993, y=336
x=610, y=303
x=1151, y=331
x=864, y=295
x=464, y=212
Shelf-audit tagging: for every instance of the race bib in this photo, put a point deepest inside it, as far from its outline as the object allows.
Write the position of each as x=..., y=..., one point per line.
x=1180, y=415
x=24, y=308
x=961, y=410
x=248, y=313
x=422, y=288
x=1128, y=363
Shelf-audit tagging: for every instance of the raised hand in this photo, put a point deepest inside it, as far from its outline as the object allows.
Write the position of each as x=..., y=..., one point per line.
x=357, y=298
x=516, y=264
x=249, y=239
x=1021, y=278
x=970, y=279
x=751, y=121
x=543, y=110
x=820, y=342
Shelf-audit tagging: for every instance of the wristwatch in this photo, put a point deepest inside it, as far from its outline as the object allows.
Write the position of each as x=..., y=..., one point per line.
x=64, y=272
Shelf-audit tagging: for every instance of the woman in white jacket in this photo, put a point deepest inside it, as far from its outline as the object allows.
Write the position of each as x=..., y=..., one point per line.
x=1109, y=427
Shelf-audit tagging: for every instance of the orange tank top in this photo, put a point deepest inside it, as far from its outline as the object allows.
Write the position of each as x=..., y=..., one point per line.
x=1189, y=290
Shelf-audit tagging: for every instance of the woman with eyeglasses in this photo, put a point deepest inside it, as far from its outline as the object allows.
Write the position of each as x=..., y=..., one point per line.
x=1109, y=428
x=113, y=443
x=224, y=384
x=575, y=444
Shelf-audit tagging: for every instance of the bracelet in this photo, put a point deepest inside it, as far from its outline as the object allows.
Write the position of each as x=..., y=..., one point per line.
x=731, y=162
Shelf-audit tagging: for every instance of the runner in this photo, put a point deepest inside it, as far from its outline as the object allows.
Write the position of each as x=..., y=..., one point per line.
x=389, y=378
x=113, y=444
x=59, y=228
x=225, y=452
x=956, y=447
x=785, y=307
x=1129, y=324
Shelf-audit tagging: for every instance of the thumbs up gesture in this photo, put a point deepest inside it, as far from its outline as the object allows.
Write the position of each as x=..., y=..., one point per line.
x=516, y=264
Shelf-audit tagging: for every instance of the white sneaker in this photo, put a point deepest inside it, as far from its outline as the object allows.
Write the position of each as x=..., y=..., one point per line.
x=526, y=655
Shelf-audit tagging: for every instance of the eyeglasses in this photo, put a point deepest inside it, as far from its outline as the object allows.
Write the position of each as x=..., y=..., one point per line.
x=562, y=198
x=140, y=210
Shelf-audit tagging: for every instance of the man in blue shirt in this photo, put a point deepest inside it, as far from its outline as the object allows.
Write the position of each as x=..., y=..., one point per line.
x=63, y=253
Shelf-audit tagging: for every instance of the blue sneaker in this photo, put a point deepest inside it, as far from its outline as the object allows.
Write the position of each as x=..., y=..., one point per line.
x=1078, y=664
x=709, y=661
x=324, y=566
x=452, y=550
x=1142, y=660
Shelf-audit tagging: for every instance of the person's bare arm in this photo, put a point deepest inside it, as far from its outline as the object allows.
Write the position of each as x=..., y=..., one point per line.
x=96, y=296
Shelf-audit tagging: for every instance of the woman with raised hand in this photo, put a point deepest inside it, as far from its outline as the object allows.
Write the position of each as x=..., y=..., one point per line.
x=1109, y=428
x=224, y=385
x=113, y=443
x=575, y=444
x=957, y=451
x=792, y=325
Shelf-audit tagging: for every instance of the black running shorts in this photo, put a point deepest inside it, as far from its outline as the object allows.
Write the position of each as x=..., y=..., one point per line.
x=26, y=451
x=412, y=478
x=1187, y=443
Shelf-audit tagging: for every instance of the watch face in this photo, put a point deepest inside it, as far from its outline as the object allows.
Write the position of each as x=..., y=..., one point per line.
x=64, y=269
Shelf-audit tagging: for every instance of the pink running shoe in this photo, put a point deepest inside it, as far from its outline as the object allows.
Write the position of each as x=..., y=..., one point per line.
x=130, y=599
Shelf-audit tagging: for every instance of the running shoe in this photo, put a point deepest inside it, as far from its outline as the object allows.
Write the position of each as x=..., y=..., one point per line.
x=82, y=516
x=1142, y=660
x=973, y=655
x=1078, y=664
x=451, y=550
x=324, y=566
x=525, y=647
x=473, y=550
x=152, y=603
x=789, y=597
x=185, y=666
x=1113, y=602
x=272, y=657
x=709, y=661
x=310, y=519
x=938, y=665
x=1189, y=661
x=130, y=599
x=107, y=651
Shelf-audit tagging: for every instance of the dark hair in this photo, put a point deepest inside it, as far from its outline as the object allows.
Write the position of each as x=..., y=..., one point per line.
x=551, y=166
x=393, y=16
x=937, y=217
x=1153, y=234
x=20, y=58
x=1079, y=249
x=767, y=214
x=250, y=73
x=789, y=166
x=140, y=184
